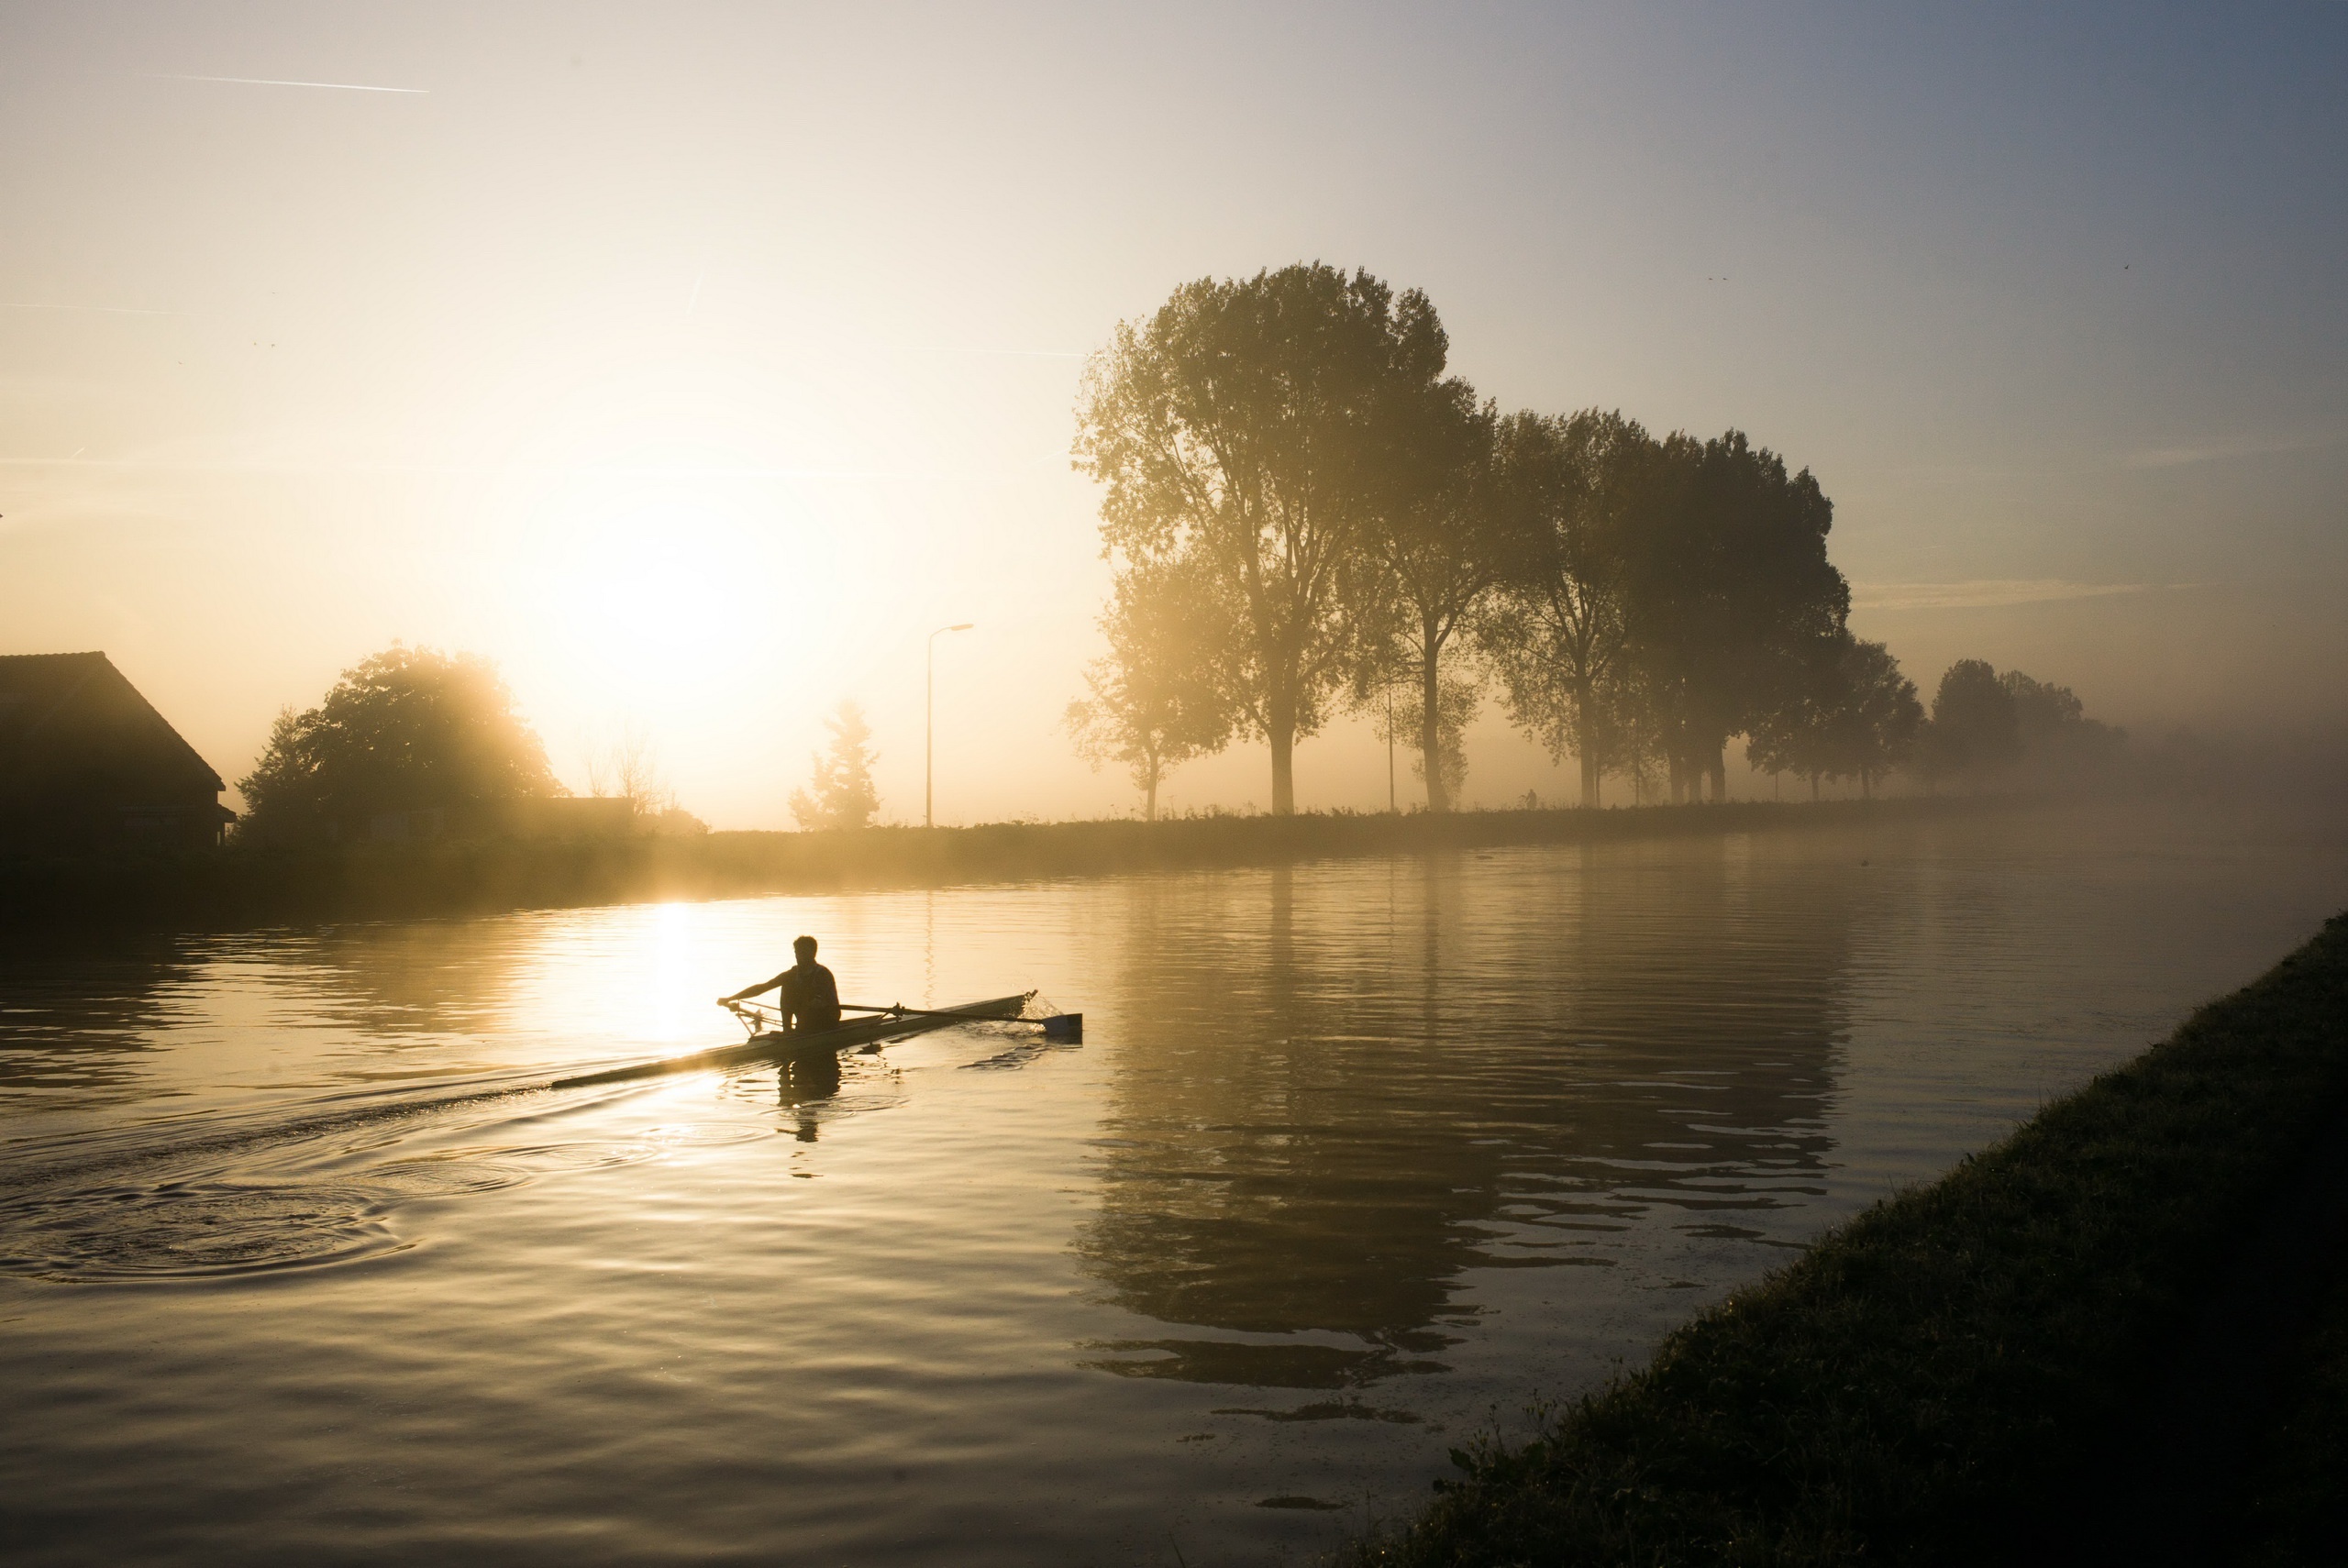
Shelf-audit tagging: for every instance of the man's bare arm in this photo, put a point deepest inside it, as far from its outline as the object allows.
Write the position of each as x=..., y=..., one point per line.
x=753, y=991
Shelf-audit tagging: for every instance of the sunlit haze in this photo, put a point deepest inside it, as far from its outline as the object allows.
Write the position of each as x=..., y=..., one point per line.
x=695, y=363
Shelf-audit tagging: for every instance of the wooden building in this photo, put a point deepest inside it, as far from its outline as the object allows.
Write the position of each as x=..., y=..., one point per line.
x=87, y=764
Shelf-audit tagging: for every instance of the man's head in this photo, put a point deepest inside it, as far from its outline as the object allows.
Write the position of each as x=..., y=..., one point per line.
x=805, y=948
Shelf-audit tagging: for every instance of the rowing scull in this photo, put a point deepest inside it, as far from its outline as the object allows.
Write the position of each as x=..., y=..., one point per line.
x=773, y=1045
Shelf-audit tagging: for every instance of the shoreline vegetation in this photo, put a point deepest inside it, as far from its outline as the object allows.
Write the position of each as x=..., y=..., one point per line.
x=1307, y=516
x=1999, y=1366
x=246, y=885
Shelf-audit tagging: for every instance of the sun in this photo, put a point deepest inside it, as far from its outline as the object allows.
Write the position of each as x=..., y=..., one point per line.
x=653, y=587
x=642, y=530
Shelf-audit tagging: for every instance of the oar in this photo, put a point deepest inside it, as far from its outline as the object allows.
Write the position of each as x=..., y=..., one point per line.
x=900, y=1009
x=895, y=1010
x=1058, y=1026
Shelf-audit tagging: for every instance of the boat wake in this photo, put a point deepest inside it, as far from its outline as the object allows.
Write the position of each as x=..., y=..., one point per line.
x=300, y=1184
x=311, y=1189
x=1019, y=1055
x=313, y=1182
x=1025, y=1047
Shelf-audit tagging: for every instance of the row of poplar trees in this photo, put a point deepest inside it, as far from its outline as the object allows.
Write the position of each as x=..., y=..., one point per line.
x=1306, y=513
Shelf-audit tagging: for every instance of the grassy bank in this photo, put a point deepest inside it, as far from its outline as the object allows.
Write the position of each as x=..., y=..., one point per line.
x=1965, y=1372
x=2298, y=1511
x=252, y=886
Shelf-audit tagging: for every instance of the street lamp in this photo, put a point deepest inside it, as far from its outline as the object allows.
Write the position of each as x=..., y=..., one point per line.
x=929, y=724
x=1391, y=810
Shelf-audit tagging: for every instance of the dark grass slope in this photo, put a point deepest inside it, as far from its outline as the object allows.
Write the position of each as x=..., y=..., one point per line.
x=2296, y=1512
x=1967, y=1373
x=239, y=886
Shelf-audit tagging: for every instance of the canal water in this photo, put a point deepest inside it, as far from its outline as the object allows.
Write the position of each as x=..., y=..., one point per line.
x=1358, y=1160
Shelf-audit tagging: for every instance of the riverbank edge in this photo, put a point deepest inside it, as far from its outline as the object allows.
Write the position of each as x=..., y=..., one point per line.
x=1971, y=1371
x=240, y=887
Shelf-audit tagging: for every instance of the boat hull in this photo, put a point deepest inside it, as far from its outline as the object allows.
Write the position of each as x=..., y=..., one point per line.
x=775, y=1046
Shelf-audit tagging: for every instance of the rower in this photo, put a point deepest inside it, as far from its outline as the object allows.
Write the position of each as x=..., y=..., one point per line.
x=811, y=997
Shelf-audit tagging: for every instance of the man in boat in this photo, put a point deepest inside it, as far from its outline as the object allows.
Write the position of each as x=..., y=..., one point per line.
x=811, y=997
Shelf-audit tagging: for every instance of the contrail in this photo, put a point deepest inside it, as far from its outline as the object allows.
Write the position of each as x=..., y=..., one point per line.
x=272, y=81
x=1988, y=594
x=104, y=309
x=2223, y=448
x=999, y=353
x=605, y=470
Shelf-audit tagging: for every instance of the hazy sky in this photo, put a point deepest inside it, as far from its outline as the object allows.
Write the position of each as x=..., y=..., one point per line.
x=693, y=362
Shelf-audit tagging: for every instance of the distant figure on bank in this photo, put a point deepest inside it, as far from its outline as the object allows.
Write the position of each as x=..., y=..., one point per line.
x=811, y=997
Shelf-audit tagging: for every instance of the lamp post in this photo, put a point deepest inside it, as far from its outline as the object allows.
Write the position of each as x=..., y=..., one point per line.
x=929, y=724
x=1391, y=810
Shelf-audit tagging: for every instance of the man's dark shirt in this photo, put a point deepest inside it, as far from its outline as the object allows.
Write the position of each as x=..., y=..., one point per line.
x=811, y=997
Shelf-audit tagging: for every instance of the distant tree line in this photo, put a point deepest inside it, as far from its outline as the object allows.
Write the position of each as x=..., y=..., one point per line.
x=1306, y=513
x=407, y=729
x=413, y=729
x=1987, y=728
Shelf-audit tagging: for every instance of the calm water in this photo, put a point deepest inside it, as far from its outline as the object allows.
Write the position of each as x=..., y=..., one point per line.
x=1356, y=1160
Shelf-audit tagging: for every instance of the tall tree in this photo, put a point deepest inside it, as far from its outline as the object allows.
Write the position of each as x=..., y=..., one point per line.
x=1796, y=733
x=1159, y=697
x=1732, y=596
x=1234, y=429
x=404, y=729
x=840, y=793
x=1433, y=544
x=1975, y=730
x=1397, y=714
x=1854, y=715
x=1577, y=489
x=1875, y=724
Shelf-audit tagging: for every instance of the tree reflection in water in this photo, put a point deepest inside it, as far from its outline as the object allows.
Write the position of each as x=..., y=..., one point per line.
x=1331, y=1105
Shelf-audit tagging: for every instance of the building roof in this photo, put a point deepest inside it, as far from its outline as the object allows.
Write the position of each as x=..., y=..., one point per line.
x=72, y=709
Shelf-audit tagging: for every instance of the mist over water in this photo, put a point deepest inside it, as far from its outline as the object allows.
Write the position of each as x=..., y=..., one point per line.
x=1359, y=1157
